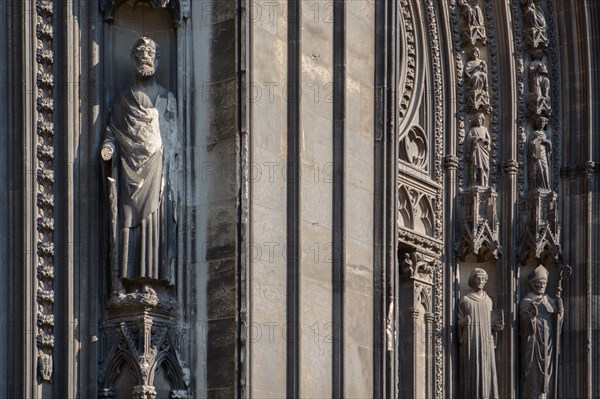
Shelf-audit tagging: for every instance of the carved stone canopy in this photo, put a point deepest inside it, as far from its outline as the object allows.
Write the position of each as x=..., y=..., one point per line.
x=179, y=8
x=478, y=224
x=541, y=235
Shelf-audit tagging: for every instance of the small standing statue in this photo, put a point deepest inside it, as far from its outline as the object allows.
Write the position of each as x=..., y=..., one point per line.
x=477, y=83
x=478, y=152
x=538, y=151
x=477, y=358
x=475, y=22
x=539, y=85
x=535, y=23
x=541, y=322
x=141, y=162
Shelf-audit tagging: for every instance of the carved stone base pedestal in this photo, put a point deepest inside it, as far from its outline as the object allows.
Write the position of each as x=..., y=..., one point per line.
x=478, y=222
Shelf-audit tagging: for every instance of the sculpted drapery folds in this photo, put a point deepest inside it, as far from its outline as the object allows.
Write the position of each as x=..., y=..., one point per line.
x=475, y=22
x=535, y=24
x=478, y=152
x=539, y=86
x=541, y=322
x=476, y=74
x=478, y=378
x=142, y=166
x=538, y=152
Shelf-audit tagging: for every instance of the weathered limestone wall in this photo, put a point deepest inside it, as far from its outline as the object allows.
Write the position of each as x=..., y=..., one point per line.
x=292, y=134
x=213, y=178
x=268, y=26
x=359, y=198
x=316, y=200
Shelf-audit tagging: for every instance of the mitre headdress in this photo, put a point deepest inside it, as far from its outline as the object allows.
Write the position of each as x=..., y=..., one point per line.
x=538, y=273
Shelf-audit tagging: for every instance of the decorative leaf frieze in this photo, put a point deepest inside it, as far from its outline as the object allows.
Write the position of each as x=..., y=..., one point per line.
x=45, y=188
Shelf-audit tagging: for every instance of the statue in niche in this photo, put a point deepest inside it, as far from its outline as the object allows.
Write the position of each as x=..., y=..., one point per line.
x=476, y=24
x=541, y=322
x=539, y=149
x=476, y=327
x=142, y=166
x=477, y=83
x=535, y=24
x=539, y=85
x=478, y=152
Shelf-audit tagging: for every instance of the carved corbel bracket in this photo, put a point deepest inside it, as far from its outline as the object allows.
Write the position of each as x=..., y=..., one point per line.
x=451, y=162
x=145, y=301
x=144, y=392
x=180, y=9
x=416, y=266
x=478, y=224
x=542, y=230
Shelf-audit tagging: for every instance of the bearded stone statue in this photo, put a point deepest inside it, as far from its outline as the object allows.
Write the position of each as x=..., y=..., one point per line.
x=142, y=164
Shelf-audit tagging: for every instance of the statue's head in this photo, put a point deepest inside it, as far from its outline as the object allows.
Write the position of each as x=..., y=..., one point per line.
x=145, y=54
x=477, y=279
x=475, y=53
x=479, y=119
x=541, y=122
x=538, y=55
x=538, y=280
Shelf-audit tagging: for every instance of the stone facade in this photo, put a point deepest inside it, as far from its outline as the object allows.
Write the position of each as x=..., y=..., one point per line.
x=333, y=173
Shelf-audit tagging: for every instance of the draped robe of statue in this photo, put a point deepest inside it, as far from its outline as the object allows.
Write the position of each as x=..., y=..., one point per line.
x=539, y=88
x=477, y=358
x=475, y=21
x=538, y=337
x=479, y=155
x=476, y=73
x=536, y=23
x=539, y=151
x=143, y=174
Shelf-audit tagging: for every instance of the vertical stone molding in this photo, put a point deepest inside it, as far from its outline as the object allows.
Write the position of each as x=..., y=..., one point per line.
x=417, y=333
x=477, y=225
x=45, y=188
x=539, y=199
x=419, y=206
